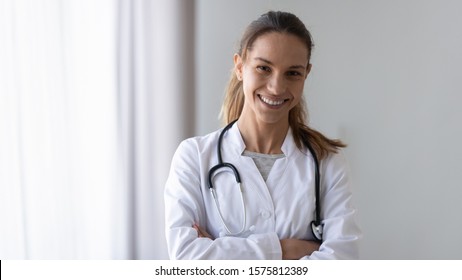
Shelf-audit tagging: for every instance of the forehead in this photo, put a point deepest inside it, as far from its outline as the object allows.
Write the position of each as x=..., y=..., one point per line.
x=279, y=48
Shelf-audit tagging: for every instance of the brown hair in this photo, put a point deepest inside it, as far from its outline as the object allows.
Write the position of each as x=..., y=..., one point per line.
x=282, y=22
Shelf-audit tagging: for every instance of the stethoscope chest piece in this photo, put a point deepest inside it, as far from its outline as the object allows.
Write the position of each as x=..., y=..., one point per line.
x=316, y=230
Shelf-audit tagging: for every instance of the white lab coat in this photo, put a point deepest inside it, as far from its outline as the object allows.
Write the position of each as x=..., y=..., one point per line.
x=282, y=207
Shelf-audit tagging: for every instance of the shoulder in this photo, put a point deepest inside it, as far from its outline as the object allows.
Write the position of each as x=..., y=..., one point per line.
x=190, y=150
x=335, y=160
x=334, y=170
x=199, y=143
x=335, y=164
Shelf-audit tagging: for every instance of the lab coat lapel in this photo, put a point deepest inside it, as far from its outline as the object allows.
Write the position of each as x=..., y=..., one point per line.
x=250, y=176
x=234, y=147
x=277, y=178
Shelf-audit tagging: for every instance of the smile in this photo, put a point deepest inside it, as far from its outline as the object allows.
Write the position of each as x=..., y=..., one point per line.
x=272, y=102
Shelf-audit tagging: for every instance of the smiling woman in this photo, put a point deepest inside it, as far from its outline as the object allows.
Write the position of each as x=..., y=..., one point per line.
x=287, y=40
x=275, y=71
x=284, y=170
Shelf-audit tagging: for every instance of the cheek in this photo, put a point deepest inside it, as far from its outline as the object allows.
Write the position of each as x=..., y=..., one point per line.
x=252, y=83
x=297, y=93
x=297, y=90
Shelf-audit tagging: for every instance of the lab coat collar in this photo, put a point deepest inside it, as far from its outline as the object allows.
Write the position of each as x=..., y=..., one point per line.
x=235, y=137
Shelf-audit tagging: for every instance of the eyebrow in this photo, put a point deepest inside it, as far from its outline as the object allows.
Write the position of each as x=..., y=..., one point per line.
x=270, y=63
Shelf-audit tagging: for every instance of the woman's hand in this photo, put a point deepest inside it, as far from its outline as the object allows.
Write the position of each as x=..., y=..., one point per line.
x=201, y=232
x=294, y=249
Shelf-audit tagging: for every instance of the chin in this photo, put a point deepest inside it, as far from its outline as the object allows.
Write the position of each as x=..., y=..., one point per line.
x=273, y=120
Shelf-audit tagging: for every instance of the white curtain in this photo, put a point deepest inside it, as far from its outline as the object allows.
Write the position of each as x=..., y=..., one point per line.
x=88, y=123
x=156, y=93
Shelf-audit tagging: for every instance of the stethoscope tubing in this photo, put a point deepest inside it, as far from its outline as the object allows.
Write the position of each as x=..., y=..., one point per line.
x=316, y=225
x=237, y=176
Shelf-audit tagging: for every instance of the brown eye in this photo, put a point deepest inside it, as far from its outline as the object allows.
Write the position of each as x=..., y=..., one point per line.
x=294, y=73
x=263, y=68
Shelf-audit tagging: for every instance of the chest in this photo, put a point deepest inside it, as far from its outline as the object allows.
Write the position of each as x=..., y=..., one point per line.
x=284, y=203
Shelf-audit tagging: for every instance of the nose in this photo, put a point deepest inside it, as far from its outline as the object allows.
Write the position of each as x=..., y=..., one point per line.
x=277, y=84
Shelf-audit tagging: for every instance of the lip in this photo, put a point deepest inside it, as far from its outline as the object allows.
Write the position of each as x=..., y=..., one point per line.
x=271, y=102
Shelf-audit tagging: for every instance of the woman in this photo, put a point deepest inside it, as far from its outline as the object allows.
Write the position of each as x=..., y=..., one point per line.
x=273, y=153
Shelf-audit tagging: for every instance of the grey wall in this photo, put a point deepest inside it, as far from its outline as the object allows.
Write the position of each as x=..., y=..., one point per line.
x=387, y=79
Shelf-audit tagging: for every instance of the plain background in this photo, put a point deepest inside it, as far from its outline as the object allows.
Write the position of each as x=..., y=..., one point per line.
x=386, y=79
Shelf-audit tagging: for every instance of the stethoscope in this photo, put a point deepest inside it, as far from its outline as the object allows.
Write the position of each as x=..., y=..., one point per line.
x=316, y=225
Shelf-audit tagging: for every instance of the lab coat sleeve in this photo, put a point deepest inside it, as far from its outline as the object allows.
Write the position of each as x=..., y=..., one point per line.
x=184, y=206
x=341, y=233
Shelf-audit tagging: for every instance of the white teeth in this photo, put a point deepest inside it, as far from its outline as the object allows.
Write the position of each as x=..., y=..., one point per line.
x=271, y=102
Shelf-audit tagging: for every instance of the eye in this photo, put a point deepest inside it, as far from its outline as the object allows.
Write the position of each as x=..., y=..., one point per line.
x=294, y=74
x=263, y=68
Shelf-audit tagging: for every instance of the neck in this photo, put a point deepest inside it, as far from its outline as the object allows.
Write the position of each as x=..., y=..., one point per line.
x=262, y=137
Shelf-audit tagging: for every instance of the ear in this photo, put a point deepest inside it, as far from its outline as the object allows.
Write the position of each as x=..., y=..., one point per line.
x=238, y=66
x=308, y=69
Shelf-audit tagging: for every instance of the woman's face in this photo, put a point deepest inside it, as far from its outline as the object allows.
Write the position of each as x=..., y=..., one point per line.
x=273, y=76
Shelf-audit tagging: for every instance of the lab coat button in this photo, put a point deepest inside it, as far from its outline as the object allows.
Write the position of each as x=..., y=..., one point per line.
x=265, y=214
